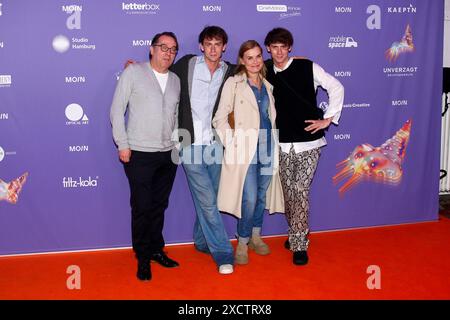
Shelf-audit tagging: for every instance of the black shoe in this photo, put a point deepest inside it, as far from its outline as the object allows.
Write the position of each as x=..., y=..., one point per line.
x=287, y=245
x=164, y=260
x=300, y=258
x=144, y=272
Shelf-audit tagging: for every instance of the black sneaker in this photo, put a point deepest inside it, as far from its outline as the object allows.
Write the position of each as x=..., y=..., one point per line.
x=300, y=258
x=144, y=272
x=164, y=260
x=287, y=245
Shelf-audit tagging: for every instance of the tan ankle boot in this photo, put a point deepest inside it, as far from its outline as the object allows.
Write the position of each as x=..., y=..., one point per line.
x=256, y=243
x=241, y=256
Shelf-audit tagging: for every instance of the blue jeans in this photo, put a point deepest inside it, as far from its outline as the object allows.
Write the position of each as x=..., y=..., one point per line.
x=203, y=179
x=253, y=200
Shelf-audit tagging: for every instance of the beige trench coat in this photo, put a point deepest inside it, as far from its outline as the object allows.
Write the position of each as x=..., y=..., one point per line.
x=241, y=144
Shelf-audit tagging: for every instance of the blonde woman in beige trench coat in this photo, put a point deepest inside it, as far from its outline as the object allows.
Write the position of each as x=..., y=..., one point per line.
x=249, y=180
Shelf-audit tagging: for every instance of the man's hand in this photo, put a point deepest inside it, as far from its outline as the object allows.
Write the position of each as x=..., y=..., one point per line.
x=317, y=125
x=124, y=155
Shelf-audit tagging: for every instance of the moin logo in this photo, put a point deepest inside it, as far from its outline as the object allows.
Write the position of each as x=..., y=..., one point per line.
x=343, y=9
x=142, y=43
x=342, y=42
x=212, y=8
x=75, y=115
x=373, y=22
x=2, y=44
x=75, y=79
x=1, y=12
x=80, y=182
x=78, y=148
x=4, y=116
x=74, y=20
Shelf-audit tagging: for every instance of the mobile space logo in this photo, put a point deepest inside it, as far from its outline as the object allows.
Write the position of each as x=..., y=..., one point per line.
x=75, y=115
x=80, y=182
x=140, y=8
x=342, y=42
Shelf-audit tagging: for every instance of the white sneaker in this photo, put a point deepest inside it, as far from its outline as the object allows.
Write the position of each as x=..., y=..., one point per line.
x=226, y=269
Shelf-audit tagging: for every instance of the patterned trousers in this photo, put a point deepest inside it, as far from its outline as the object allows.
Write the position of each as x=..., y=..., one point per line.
x=296, y=173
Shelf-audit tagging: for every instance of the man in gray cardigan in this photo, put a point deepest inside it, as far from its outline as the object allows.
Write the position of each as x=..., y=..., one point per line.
x=145, y=143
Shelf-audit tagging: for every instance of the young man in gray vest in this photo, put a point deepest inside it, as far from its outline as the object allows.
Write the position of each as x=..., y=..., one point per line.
x=301, y=127
x=202, y=78
x=151, y=93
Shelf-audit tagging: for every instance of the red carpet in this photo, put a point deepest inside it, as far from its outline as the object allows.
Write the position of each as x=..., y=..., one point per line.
x=414, y=261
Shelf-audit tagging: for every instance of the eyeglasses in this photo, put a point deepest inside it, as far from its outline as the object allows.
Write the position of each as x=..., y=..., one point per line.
x=165, y=48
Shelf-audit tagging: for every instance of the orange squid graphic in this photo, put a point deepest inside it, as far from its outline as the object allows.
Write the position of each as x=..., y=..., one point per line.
x=378, y=164
x=10, y=191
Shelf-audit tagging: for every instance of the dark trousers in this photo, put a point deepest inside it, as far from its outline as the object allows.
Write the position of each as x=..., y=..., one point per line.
x=151, y=176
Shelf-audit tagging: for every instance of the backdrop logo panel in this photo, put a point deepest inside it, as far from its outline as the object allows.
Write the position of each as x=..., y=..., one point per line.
x=74, y=19
x=4, y=154
x=76, y=115
x=79, y=182
x=403, y=46
x=5, y=80
x=402, y=10
x=377, y=164
x=140, y=8
x=373, y=22
x=342, y=42
x=212, y=8
x=9, y=191
x=85, y=46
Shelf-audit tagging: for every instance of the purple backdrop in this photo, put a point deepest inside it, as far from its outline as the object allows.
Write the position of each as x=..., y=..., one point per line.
x=57, y=53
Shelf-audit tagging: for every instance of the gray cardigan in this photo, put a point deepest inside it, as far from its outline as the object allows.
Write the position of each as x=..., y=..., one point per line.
x=152, y=115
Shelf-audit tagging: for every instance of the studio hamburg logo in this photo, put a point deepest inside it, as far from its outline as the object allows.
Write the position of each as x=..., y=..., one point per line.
x=75, y=115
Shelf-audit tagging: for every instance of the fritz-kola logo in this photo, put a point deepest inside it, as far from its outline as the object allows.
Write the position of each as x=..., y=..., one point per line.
x=75, y=115
x=342, y=42
x=74, y=20
x=140, y=8
x=70, y=182
x=403, y=46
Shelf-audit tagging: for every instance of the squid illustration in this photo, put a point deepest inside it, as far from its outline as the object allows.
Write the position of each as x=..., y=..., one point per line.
x=397, y=48
x=10, y=191
x=378, y=164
